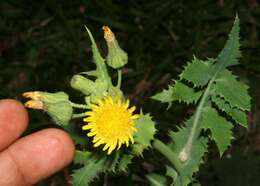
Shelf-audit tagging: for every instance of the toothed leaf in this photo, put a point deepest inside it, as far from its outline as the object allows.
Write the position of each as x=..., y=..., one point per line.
x=198, y=72
x=124, y=162
x=236, y=114
x=178, y=92
x=101, y=71
x=230, y=53
x=221, y=129
x=145, y=133
x=92, y=166
x=233, y=91
x=187, y=144
x=165, y=96
x=82, y=157
x=184, y=93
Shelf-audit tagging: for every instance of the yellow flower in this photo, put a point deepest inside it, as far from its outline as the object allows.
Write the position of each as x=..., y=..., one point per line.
x=111, y=123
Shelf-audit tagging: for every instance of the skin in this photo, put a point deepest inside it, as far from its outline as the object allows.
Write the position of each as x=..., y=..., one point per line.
x=27, y=160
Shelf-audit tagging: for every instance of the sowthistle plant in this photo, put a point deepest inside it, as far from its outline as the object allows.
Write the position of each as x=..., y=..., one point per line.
x=109, y=120
x=111, y=123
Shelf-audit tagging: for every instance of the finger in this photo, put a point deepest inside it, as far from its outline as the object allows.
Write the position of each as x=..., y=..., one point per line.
x=13, y=121
x=35, y=157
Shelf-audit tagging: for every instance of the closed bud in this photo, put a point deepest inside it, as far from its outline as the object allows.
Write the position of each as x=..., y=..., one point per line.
x=82, y=84
x=57, y=105
x=116, y=57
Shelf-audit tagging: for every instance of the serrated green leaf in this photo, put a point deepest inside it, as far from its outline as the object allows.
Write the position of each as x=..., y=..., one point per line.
x=198, y=72
x=124, y=162
x=101, y=71
x=156, y=179
x=221, y=129
x=187, y=145
x=234, y=92
x=165, y=96
x=179, y=92
x=92, y=166
x=145, y=131
x=230, y=53
x=137, y=149
x=238, y=115
x=184, y=93
x=82, y=157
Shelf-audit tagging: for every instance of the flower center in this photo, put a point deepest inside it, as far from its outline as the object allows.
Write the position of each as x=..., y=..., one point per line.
x=111, y=122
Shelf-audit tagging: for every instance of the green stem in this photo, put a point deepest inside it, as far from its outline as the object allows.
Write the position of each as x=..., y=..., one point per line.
x=81, y=115
x=80, y=106
x=119, y=78
x=169, y=154
x=184, y=154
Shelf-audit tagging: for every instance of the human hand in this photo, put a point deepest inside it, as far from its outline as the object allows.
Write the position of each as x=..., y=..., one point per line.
x=28, y=160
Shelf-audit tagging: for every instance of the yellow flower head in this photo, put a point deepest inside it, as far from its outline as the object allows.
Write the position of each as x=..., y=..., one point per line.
x=111, y=122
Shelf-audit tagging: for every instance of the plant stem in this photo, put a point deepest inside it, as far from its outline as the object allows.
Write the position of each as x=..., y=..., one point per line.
x=81, y=115
x=80, y=106
x=119, y=78
x=167, y=152
x=185, y=152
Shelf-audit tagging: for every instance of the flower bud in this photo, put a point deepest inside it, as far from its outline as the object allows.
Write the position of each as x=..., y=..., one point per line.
x=116, y=57
x=57, y=105
x=82, y=84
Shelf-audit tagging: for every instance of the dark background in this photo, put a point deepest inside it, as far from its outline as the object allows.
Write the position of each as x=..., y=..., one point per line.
x=43, y=43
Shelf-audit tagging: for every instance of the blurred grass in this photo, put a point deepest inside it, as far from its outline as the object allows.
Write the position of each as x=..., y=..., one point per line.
x=43, y=43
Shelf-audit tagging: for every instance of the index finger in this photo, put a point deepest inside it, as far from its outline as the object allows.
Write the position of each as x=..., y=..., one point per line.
x=13, y=121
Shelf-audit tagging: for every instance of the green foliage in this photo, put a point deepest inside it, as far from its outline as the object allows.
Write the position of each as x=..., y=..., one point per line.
x=221, y=129
x=238, y=115
x=218, y=88
x=198, y=72
x=165, y=96
x=145, y=133
x=98, y=88
x=230, y=53
x=233, y=91
x=93, y=164
x=125, y=160
x=62, y=110
x=198, y=148
x=101, y=71
x=179, y=92
x=43, y=43
x=102, y=86
x=92, y=167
